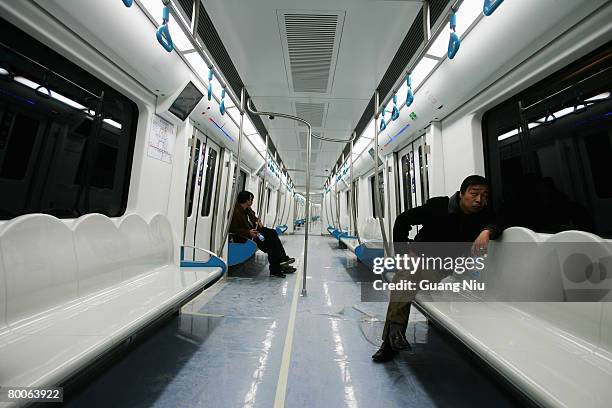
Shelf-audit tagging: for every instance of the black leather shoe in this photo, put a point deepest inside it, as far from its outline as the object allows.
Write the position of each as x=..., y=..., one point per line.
x=278, y=274
x=288, y=269
x=287, y=261
x=397, y=338
x=385, y=353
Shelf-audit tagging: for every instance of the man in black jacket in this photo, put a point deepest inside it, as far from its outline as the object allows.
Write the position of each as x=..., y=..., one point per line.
x=246, y=224
x=464, y=217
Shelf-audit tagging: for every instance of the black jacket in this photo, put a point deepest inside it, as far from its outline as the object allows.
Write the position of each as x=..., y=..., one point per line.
x=243, y=221
x=443, y=221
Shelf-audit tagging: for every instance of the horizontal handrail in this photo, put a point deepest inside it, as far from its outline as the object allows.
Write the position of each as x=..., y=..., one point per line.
x=201, y=249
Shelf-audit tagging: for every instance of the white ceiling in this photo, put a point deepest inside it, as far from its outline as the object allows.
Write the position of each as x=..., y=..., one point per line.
x=253, y=34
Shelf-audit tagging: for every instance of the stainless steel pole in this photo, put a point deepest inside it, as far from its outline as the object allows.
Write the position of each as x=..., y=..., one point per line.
x=337, y=199
x=376, y=181
x=235, y=187
x=265, y=188
x=308, y=145
x=352, y=192
x=307, y=223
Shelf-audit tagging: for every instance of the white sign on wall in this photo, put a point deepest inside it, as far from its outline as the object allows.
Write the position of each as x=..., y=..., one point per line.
x=161, y=140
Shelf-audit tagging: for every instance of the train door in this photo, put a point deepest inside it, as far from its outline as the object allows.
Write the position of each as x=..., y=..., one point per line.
x=414, y=186
x=201, y=191
x=218, y=217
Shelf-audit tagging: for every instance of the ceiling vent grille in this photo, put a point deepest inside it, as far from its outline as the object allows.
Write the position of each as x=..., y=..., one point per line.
x=310, y=44
x=315, y=145
x=313, y=113
x=314, y=157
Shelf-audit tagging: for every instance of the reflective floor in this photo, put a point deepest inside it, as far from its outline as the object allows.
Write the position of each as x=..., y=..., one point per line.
x=227, y=349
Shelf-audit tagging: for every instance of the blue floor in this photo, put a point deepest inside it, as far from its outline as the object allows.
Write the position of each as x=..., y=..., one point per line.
x=227, y=351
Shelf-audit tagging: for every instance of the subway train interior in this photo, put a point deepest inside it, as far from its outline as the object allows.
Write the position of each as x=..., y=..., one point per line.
x=135, y=271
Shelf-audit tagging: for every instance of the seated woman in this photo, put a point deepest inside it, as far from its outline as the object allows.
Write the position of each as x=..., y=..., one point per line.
x=246, y=224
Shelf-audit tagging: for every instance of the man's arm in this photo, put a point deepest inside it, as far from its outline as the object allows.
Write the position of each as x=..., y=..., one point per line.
x=404, y=222
x=237, y=227
x=490, y=231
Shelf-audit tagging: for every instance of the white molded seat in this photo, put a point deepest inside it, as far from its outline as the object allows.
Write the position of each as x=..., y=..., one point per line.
x=351, y=243
x=571, y=340
x=72, y=295
x=101, y=252
x=3, y=326
x=40, y=266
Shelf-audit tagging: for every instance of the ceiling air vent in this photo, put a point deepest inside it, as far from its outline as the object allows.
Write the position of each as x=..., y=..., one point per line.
x=310, y=43
x=315, y=145
x=313, y=113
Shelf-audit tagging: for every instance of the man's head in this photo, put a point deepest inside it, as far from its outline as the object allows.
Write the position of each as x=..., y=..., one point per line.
x=474, y=194
x=245, y=199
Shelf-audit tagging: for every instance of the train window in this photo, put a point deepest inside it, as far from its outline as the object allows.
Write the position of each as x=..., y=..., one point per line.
x=194, y=177
x=242, y=181
x=209, y=178
x=66, y=137
x=259, y=195
x=381, y=190
x=407, y=182
x=549, y=150
x=269, y=191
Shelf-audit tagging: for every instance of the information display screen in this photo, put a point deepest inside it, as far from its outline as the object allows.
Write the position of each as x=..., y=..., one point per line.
x=186, y=101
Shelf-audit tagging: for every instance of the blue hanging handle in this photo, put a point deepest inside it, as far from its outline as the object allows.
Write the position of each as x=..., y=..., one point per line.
x=490, y=6
x=454, y=41
x=395, y=112
x=128, y=3
x=453, y=21
x=222, y=105
x=410, y=95
x=163, y=34
x=383, y=124
x=210, y=78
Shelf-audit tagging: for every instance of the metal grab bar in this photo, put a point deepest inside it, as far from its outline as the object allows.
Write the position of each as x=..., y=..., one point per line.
x=308, y=144
x=229, y=178
x=377, y=203
x=353, y=208
x=202, y=249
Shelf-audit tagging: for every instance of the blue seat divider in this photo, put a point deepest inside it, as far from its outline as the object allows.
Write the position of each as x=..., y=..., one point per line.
x=280, y=230
x=213, y=262
x=367, y=255
x=345, y=234
x=240, y=252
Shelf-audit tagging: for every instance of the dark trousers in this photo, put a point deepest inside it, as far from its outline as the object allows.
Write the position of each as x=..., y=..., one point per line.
x=398, y=310
x=273, y=247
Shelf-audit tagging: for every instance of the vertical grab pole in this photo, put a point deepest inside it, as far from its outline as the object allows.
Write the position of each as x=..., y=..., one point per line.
x=278, y=194
x=265, y=189
x=376, y=193
x=308, y=145
x=235, y=187
x=337, y=201
x=352, y=193
x=307, y=223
